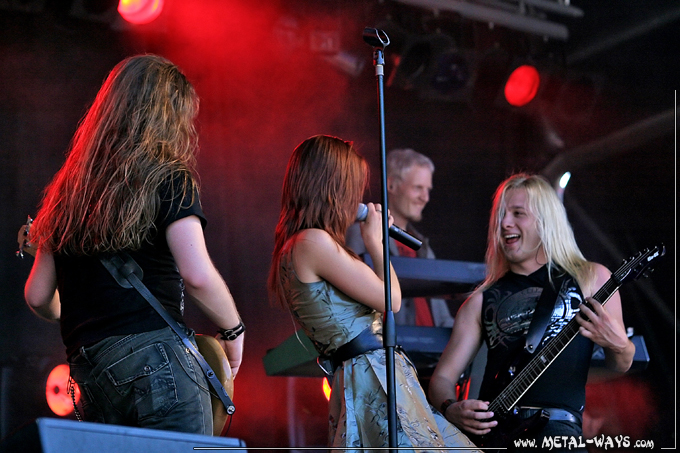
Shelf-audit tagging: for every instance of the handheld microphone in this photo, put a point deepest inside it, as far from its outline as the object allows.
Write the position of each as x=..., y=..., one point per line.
x=394, y=232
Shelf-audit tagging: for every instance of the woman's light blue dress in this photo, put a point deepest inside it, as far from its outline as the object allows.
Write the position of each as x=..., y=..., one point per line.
x=358, y=404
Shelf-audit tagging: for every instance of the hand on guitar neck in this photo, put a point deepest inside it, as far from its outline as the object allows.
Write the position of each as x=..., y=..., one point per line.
x=599, y=325
x=24, y=241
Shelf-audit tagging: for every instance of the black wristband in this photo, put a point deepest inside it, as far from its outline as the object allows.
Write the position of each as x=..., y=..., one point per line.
x=445, y=405
x=232, y=334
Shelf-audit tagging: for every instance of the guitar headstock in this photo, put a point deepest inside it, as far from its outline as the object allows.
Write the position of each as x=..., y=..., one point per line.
x=640, y=264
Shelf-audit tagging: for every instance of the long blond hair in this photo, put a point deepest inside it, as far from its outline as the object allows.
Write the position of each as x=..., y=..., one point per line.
x=554, y=230
x=324, y=183
x=138, y=133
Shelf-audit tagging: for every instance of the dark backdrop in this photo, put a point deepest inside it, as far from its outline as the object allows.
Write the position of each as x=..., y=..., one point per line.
x=263, y=91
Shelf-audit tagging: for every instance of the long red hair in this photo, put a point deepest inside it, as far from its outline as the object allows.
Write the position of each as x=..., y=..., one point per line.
x=323, y=186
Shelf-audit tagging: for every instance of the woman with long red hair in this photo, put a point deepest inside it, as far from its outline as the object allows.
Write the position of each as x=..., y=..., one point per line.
x=338, y=300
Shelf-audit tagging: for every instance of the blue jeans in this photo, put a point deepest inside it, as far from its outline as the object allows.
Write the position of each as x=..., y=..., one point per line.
x=149, y=380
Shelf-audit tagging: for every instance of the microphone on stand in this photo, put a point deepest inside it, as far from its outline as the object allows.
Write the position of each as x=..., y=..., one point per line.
x=394, y=232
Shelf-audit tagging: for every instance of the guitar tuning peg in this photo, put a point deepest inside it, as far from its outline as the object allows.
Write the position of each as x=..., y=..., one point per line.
x=647, y=272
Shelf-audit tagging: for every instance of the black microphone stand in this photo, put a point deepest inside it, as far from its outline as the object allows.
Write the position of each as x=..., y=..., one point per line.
x=379, y=40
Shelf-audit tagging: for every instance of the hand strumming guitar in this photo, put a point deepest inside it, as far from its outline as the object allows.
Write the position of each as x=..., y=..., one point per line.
x=234, y=351
x=471, y=416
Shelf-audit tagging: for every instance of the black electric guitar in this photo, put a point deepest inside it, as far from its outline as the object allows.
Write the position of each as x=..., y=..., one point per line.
x=513, y=384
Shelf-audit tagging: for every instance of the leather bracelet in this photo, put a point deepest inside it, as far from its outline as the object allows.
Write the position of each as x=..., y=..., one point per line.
x=232, y=334
x=445, y=405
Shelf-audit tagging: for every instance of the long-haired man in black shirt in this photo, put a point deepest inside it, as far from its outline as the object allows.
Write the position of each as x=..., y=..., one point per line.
x=530, y=242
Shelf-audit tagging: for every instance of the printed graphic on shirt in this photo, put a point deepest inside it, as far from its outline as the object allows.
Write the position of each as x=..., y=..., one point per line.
x=508, y=316
x=566, y=308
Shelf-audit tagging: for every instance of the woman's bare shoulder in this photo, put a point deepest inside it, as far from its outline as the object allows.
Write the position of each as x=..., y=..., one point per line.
x=314, y=238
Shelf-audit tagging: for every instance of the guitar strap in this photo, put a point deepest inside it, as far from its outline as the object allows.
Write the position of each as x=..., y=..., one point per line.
x=128, y=274
x=544, y=308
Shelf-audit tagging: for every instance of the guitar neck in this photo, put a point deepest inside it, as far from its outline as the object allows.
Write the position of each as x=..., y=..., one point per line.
x=509, y=397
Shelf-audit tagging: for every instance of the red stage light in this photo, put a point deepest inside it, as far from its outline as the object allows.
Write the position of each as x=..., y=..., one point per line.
x=522, y=85
x=56, y=393
x=140, y=11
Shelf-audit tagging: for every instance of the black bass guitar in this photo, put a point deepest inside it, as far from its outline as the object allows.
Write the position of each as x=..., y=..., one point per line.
x=515, y=383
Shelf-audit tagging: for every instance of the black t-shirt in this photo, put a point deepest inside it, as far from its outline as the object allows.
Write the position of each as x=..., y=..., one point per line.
x=94, y=306
x=507, y=312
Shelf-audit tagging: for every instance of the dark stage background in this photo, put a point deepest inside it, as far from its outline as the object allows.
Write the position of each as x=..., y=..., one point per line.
x=270, y=74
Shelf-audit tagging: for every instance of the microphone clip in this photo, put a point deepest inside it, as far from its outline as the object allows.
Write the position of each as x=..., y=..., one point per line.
x=376, y=37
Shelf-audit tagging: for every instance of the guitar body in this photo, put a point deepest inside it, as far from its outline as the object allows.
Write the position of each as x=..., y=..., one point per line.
x=516, y=361
x=509, y=428
x=213, y=353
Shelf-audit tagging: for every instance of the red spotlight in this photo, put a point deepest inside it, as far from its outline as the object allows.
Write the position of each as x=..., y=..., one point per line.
x=522, y=85
x=56, y=393
x=140, y=11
